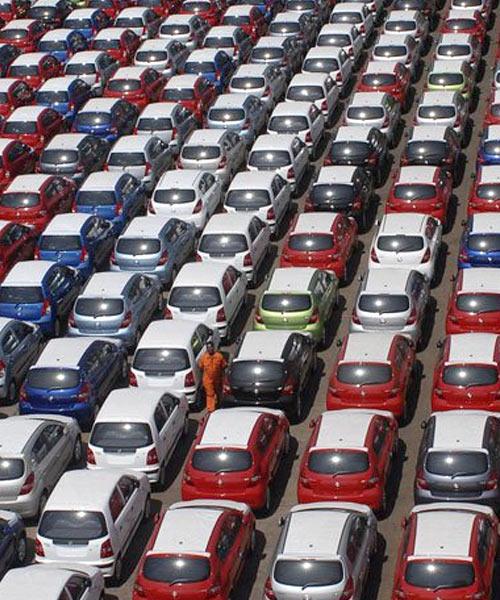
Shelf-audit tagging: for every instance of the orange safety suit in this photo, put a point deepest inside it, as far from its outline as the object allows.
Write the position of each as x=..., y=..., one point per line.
x=213, y=366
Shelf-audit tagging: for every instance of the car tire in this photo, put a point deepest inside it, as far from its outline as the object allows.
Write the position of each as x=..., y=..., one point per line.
x=252, y=546
x=286, y=443
x=124, y=372
x=20, y=551
x=298, y=408
x=77, y=456
x=268, y=502
x=162, y=476
x=11, y=396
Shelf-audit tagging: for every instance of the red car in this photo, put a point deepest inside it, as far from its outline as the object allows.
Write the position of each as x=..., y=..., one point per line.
x=485, y=193
x=35, y=68
x=110, y=7
x=235, y=455
x=120, y=43
x=422, y=189
x=467, y=374
x=474, y=303
x=33, y=125
x=14, y=93
x=34, y=199
x=210, y=11
x=13, y=9
x=16, y=158
x=493, y=112
x=17, y=242
x=447, y=552
x=471, y=23
x=137, y=85
x=373, y=370
x=348, y=458
x=201, y=549
x=391, y=77
x=249, y=18
x=192, y=91
x=22, y=33
x=321, y=240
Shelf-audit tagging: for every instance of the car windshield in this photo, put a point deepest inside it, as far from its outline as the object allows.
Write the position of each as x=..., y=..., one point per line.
x=106, y=44
x=174, y=29
x=78, y=24
x=467, y=3
x=484, y=242
x=437, y=111
x=121, y=436
x=92, y=119
x=11, y=468
x=19, y=200
x=378, y=79
x=218, y=42
x=151, y=56
x=23, y=71
x=308, y=573
x=365, y=113
x=342, y=193
x=354, y=151
x=137, y=246
x=470, y=375
x=226, y=114
x=194, y=298
x=400, y=26
x=346, y=17
x=488, y=191
x=248, y=83
x=446, y=79
x=53, y=378
x=273, y=159
x=247, y=199
x=223, y=460
x=124, y=85
x=72, y=525
x=414, y=191
x=127, y=159
x=338, y=462
x=157, y=123
x=164, y=361
x=461, y=24
x=400, y=243
x=57, y=243
x=320, y=65
x=99, y=307
x=476, y=303
x=80, y=69
x=300, y=5
x=458, y=463
x=284, y=28
x=390, y=51
x=427, y=150
x=196, y=6
x=276, y=302
x=288, y=124
x=199, y=67
x=268, y=53
x=178, y=569
x=223, y=244
x=437, y=574
x=95, y=198
x=21, y=295
x=337, y=40
x=305, y=93
x=47, y=98
x=453, y=50
x=175, y=94
x=364, y=373
x=58, y=157
x=4, y=98
x=248, y=373
x=383, y=303
x=174, y=196
x=20, y=127
x=311, y=242
x=200, y=152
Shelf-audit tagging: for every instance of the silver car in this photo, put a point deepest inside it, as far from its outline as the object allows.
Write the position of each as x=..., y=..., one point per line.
x=267, y=82
x=35, y=451
x=243, y=113
x=165, y=56
x=172, y=123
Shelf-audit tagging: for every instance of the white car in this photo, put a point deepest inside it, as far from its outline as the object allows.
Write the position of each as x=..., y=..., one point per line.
x=232, y=39
x=91, y=518
x=267, y=82
x=357, y=14
x=192, y=195
x=402, y=47
x=458, y=46
x=138, y=430
x=407, y=241
x=239, y=239
x=332, y=61
x=188, y=29
x=443, y=109
x=171, y=122
x=375, y=109
x=165, y=56
x=139, y=19
x=345, y=36
x=318, y=88
x=303, y=119
x=95, y=67
x=410, y=23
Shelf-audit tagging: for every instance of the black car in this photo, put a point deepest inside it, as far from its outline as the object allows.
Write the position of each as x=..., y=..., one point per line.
x=8, y=54
x=272, y=369
x=51, y=16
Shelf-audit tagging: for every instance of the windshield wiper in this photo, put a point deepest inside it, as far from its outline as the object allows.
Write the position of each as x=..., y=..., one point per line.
x=461, y=474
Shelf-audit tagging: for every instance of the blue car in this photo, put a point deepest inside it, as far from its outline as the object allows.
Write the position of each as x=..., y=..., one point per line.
x=108, y=118
x=77, y=240
x=480, y=243
x=12, y=541
x=489, y=147
x=64, y=94
x=215, y=65
x=114, y=196
x=72, y=377
x=62, y=43
x=41, y=292
x=87, y=21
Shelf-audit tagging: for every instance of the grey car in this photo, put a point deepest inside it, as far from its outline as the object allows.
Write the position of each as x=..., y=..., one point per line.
x=459, y=458
x=244, y=113
x=172, y=123
x=35, y=452
x=20, y=346
x=116, y=305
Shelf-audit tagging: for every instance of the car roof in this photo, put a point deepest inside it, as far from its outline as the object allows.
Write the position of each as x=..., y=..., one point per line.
x=312, y=222
x=492, y=132
x=479, y=280
x=381, y=66
x=447, y=66
x=454, y=38
x=270, y=41
x=30, y=58
x=132, y=11
x=4, y=142
x=459, y=429
x=402, y=15
x=159, y=109
x=99, y=105
x=238, y=9
x=179, y=178
x=344, y=429
x=330, y=28
x=286, y=16
x=31, y=182
x=372, y=346
x=154, y=44
x=472, y=348
x=235, y=100
x=417, y=174
x=129, y=72
x=56, y=84
x=106, y=284
x=205, y=136
x=308, y=79
x=129, y=404
x=15, y=431
x=386, y=280
x=489, y=174
x=66, y=224
x=131, y=143
x=437, y=97
x=324, y=51
x=45, y=582
x=234, y=222
x=85, y=56
x=341, y=174
x=18, y=23
x=349, y=133
x=101, y=181
x=110, y=33
x=252, y=180
x=26, y=113
x=230, y=427
x=403, y=223
x=66, y=141
x=145, y=227
x=294, y=107
x=222, y=30
x=195, y=274
x=178, y=19
x=268, y=141
x=64, y=352
x=250, y=69
x=486, y=223
x=345, y=6
x=443, y=533
x=168, y=334
x=203, y=54
x=55, y=34
x=82, y=13
x=291, y=279
x=263, y=345
x=181, y=81
x=457, y=13
x=421, y=133
x=366, y=98
x=392, y=39
x=28, y=273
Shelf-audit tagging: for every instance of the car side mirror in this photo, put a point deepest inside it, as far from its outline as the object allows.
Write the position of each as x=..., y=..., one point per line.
x=463, y=222
x=453, y=278
x=360, y=277
x=473, y=175
x=156, y=518
x=423, y=424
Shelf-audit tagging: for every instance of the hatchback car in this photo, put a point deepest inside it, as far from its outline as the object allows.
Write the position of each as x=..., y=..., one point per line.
x=375, y=109
x=446, y=109
x=458, y=21
x=234, y=40
x=332, y=61
x=165, y=56
x=283, y=52
x=480, y=243
x=118, y=42
x=452, y=76
x=485, y=193
x=62, y=43
x=107, y=118
x=459, y=46
x=16, y=158
x=489, y=148
x=65, y=94
x=357, y=14
x=402, y=48
x=95, y=67
x=393, y=78
x=33, y=125
x=137, y=85
x=13, y=9
x=243, y=113
x=110, y=7
x=35, y=68
x=318, y=88
x=22, y=33
x=209, y=10
x=468, y=7
x=344, y=36
x=188, y=29
x=410, y=23
x=14, y=93
x=266, y=82
x=294, y=24
x=35, y=453
x=303, y=119
x=143, y=21
x=87, y=21
x=171, y=122
x=236, y=455
x=248, y=17
x=216, y=66
x=193, y=92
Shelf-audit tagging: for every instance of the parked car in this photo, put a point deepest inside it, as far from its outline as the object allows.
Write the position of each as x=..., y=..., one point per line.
x=234, y=40
x=119, y=43
x=13, y=544
x=143, y=21
x=64, y=94
x=215, y=65
x=62, y=43
x=33, y=125
x=266, y=82
x=95, y=67
x=401, y=47
x=165, y=56
x=248, y=17
x=393, y=78
x=35, y=68
x=171, y=122
x=189, y=29
x=107, y=118
x=87, y=21
x=485, y=193
x=22, y=33
x=193, y=92
x=16, y=158
x=480, y=243
x=210, y=11
x=333, y=61
x=243, y=113
x=13, y=93
x=138, y=85
x=17, y=242
x=282, y=52
x=302, y=119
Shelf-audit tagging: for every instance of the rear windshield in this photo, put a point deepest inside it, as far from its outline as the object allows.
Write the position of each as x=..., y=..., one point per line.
x=453, y=50
x=60, y=242
x=364, y=373
x=492, y=147
x=20, y=127
x=390, y=51
x=446, y=79
x=174, y=29
x=57, y=157
x=436, y=112
x=221, y=460
x=235, y=20
x=320, y=65
x=164, y=361
x=137, y=246
x=53, y=46
x=306, y=93
x=200, y=152
x=174, y=94
x=309, y=242
x=365, y=113
x=194, y=298
x=106, y=44
x=90, y=119
x=151, y=56
x=346, y=17
x=99, y=307
x=174, y=196
x=196, y=6
x=284, y=28
x=351, y=150
x=428, y=150
x=23, y=71
x=248, y=199
x=269, y=158
x=159, y=123
x=288, y=124
x=383, y=303
x=19, y=200
x=378, y=79
x=248, y=83
x=458, y=464
x=124, y=85
x=338, y=462
x=223, y=244
x=72, y=525
x=80, y=69
x=13, y=34
x=488, y=190
x=226, y=114
x=460, y=24
x=267, y=53
x=475, y=303
x=127, y=159
x=21, y=294
x=305, y=573
x=53, y=379
x=400, y=26
x=470, y=375
x=95, y=198
x=135, y=22
x=286, y=302
x=199, y=67
x=340, y=192
x=484, y=242
x=78, y=24
x=170, y=569
x=439, y=574
x=52, y=97
x=400, y=243
x=121, y=436
x=246, y=373
x=337, y=40
x=414, y=191
x=11, y=468
x=216, y=42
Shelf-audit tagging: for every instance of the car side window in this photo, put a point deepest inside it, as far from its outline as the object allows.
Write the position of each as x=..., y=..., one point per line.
x=64, y=595
x=196, y=344
x=160, y=417
x=9, y=342
x=380, y=436
x=209, y=180
x=127, y=486
x=169, y=403
x=77, y=586
x=116, y=504
x=22, y=330
x=228, y=536
x=430, y=228
x=39, y=450
x=355, y=539
x=483, y=542
x=53, y=434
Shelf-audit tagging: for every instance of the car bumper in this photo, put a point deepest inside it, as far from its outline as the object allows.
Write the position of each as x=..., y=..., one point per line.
x=478, y=327
x=82, y=411
x=371, y=497
x=153, y=473
x=441, y=404
x=125, y=336
x=488, y=498
x=314, y=330
x=106, y=566
x=286, y=403
x=24, y=506
x=412, y=331
x=426, y=269
x=254, y=496
x=394, y=405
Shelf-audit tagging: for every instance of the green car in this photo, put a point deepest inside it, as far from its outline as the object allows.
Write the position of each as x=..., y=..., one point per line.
x=451, y=76
x=299, y=299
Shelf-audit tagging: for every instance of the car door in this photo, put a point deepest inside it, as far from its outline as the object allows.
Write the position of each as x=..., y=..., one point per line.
x=260, y=236
x=175, y=419
x=121, y=520
x=59, y=451
x=7, y=548
x=164, y=429
x=81, y=587
x=25, y=352
x=212, y=192
x=132, y=509
x=229, y=563
x=317, y=123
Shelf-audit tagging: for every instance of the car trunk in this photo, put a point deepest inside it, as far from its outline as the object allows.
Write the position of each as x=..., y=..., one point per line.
x=285, y=310
x=137, y=254
x=99, y=315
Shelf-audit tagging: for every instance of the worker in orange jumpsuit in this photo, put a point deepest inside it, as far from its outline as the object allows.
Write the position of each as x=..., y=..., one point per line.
x=212, y=364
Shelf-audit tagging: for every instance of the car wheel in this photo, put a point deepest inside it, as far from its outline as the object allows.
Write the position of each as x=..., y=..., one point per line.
x=76, y=459
x=118, y=571
x=298, y=408
x=42, y=502
x=286, y=443
x=11, y=396
x=21, y=550
x=173, y=275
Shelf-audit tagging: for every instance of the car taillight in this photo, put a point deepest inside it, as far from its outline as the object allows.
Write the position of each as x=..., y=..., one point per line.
x=28, y=485
x=167, y=314
x=348, y=592
x=189, y=380
x=288, y=387
x=355, y=319
x=84, y=255
x=268, y=590
x=152, y=457
x=2, y=368
x=258, y=317
x=338, y=77
x=290, y=173
x=314, y=318
x=492, y=483
x=147, y=170
x=163, y=258
x=386, y=122
x=36, y=254
x=372, y=160
x=106, y=549
x=174, y=133
x=84, y=393
x=324, y=105
x=90, y=456
x=46, y=308
x=427, y=256
x=223, y=162
x=221, y=315
x=373, y=255
x=400, y=594
x=39, y=551
x=127, y=319
x=421, y=481
x=71, y=319
x=413, y=317
x=139, y=590
x=267, y=92
x=305, y=482
x=362, y=28
x=119, y=208
x=197, y=207
x=247, y=261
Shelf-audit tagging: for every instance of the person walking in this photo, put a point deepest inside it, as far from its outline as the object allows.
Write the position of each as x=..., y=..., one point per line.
x=212, y=364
